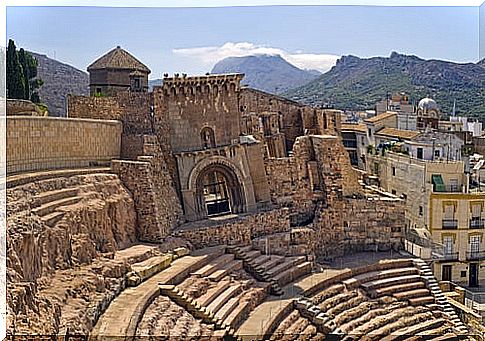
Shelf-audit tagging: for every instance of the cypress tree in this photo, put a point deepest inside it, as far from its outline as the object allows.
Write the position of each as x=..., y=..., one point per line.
x=22, y=55
x=15, y=74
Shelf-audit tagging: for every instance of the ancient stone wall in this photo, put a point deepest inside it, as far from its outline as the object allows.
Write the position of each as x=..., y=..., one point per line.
x=195, y=105
x=334, y=162
x=48, y=261
x=290, y=187
x=156, y=201
x=296, y=119
x=41, y=143
x=251, y=100
x=238, y=231
x=354, y=225
x=100, y=108
x=131, y=108
x=21, y=107
x=319, y=170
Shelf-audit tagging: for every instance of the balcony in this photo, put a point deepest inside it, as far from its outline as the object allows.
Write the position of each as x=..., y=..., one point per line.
x=475, y=255
x=450, y=224
x=450, y=256
x=447, y=189
x=477, y=223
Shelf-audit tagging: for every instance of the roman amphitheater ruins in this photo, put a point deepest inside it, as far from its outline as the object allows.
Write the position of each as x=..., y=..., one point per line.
x=203, y=210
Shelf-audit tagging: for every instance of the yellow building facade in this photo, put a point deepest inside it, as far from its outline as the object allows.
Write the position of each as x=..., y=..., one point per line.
x=457, y=222
x=439, y=201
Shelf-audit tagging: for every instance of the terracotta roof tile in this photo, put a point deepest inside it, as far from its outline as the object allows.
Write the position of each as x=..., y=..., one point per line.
x=399, y=133
x=354, y=127
x=381, y=117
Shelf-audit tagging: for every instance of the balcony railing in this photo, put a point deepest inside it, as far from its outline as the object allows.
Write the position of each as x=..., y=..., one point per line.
x=475, y=255
x=350, y=143
x=450, y=224
x=450, y=256
x=447, y=189
x=477, y=223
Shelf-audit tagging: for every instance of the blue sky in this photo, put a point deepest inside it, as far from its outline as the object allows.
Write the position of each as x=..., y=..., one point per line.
x=482, y=31
x=191, y=40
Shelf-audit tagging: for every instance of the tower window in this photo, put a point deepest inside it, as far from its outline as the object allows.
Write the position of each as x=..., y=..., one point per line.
x=207, y=137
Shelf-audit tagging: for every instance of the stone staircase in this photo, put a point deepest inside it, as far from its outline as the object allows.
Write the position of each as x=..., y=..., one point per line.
x=442, y=302
x=324, y=323
x=254, y=267
x=198, y=311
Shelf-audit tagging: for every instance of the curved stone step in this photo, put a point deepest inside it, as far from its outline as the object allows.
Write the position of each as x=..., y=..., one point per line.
x=238, y=314
x=274, y=261
x=46, y=197
x=227, y=308
x=258, y=261
x=293, y=273
x=225, y=270
x=248, y=256
x=224, y=297
x=151, y=266
x=25, y=178
x=446, y=337
x=355, y=281
x=52, y=218
x=405, y=295
x=381, y=283
x=51, y=206
x=214, y=265
x=137, y=253
x=425, y=300
x=212, y=293
x=288, y=263
x=415, y=329
x=399, y=288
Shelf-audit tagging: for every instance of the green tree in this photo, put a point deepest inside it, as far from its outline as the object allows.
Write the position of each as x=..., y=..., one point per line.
x=26, y=73
x=22, y=81
x=15, y=74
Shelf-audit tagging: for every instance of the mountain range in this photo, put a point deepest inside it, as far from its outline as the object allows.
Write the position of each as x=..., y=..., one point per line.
x=265, y=72
x=59, y=80
x=353, y=83
x=357, y=83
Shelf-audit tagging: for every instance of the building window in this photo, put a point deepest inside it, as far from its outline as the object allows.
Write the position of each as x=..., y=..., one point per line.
x=448, y=245
x=207, y=137
x=437, y=153
x=463, y=273
x=394, y=192
x=98, y=91
x=474, y=244
x=421, y=210
x=370, y=132
x=476, y=221
x=420, y=153
x=362, y=140
x=454, y=185
x=135, y=84
x=393, y=171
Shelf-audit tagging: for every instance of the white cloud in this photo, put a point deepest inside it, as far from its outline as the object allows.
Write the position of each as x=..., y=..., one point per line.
x=209, y=55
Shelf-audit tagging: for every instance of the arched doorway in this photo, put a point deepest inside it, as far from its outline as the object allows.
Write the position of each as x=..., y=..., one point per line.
x=218, y=191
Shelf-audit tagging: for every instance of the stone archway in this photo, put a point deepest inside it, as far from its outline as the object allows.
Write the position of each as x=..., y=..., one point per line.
x=218, y=191
x=218, y=187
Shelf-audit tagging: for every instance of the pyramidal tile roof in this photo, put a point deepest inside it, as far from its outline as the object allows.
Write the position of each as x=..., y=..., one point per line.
x=118, y=59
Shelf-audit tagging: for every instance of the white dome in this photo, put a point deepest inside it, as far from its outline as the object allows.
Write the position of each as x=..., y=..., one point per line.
x=427, y=104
